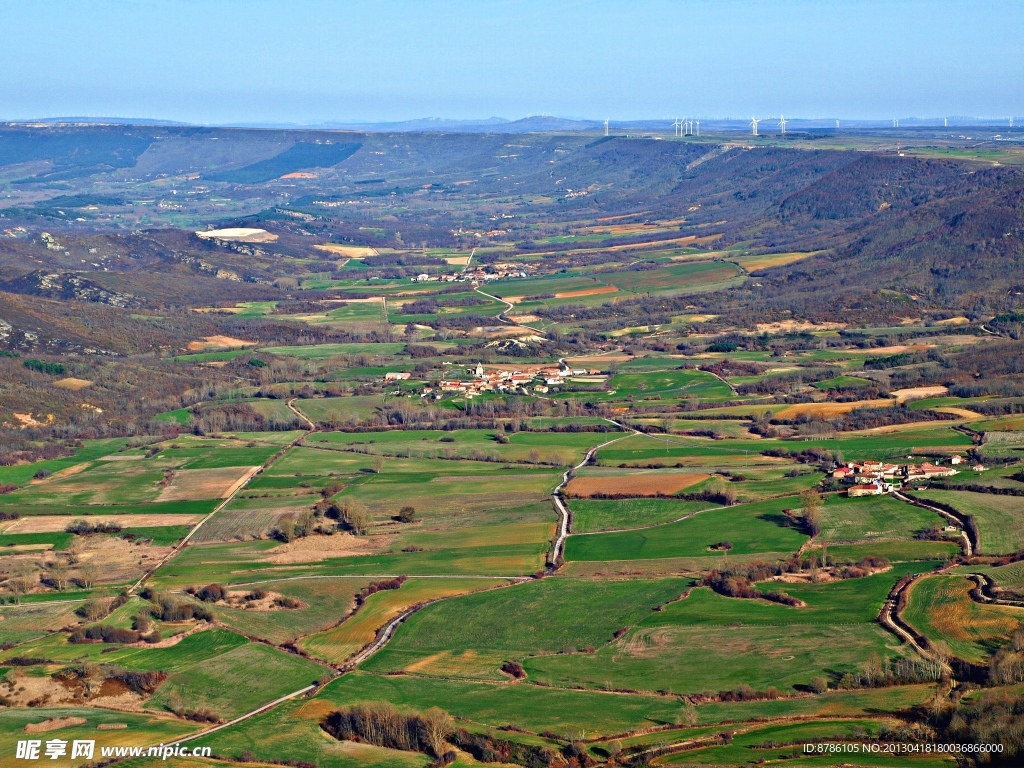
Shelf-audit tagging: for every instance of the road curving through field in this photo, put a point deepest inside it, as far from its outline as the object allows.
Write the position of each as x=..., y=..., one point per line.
x=500, y=317
x=558, y=547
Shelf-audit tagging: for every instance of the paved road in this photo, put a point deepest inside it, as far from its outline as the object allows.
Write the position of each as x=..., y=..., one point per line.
x=500, y=317
x=563, y=528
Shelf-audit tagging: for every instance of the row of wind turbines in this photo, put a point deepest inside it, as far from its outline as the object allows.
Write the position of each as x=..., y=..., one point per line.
x=692, y=127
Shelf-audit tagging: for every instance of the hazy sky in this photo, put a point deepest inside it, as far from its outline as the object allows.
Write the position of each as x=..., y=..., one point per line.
x=220, y=61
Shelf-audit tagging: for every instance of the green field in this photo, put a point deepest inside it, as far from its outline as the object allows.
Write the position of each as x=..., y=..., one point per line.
x=669, y=383
x=709, y=642
x=594, y=515
x=536, y=447
x=1000, y=518
x=336, y=645
x=853, y=446
x=750, y=528
x=873, y=517
x=236, y=682
x=471, y=636
x=324, y=603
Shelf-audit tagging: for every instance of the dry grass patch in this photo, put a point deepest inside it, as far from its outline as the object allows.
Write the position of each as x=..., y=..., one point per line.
x=219, y=342
x=199, y=484
x=350, y=251
x=72, y=383
x=918, y=393
x=640, y=484
x=66, y=472
x=313, y=548
x=954, y=616
x=586, y=292
x=49, y=692
x=789, y=326
x=963, y=413
x=54, y=523
x=829, y=410
x=769, y=260
x=53, y=724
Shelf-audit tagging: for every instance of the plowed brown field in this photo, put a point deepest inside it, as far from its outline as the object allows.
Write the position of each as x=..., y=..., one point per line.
x=644, y=484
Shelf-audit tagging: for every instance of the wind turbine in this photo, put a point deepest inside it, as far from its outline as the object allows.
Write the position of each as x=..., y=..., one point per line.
x=782, y=124
x=753, y=125
x=837, y=124
x=945, y=122
x=698, y=128
x=895, y=122
x=606, y=127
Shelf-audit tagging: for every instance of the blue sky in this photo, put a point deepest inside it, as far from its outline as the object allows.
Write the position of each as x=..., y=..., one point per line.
x=307, y=61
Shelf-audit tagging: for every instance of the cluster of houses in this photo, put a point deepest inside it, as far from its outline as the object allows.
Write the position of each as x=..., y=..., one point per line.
x=480, y=274
x=539, y=379
x=873, y=478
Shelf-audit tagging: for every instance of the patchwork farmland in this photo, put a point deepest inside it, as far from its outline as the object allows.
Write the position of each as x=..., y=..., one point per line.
x=522, y=475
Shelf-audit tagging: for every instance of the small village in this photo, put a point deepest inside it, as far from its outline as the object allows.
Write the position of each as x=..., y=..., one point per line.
x=874, y=478
x=506, y=380
x=483, y=274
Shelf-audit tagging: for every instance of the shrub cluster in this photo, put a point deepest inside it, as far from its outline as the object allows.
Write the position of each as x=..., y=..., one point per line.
x=42, y=366
x=142, y=683
x=83, y=527
x=104, y=633
x=167, y=608
x=488, y=749
x=514, y=668
x=732, y=585
x=211, y=593
x=378, y=586
x=382, y=725
x=880, y=673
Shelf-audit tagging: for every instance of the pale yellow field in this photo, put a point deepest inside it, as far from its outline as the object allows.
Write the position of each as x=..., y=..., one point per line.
x=827, y=410
x=218, y=342
x=351, y=251
x=54, y=523
x=72, y=383
x=769, y=260
x=197, y=484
